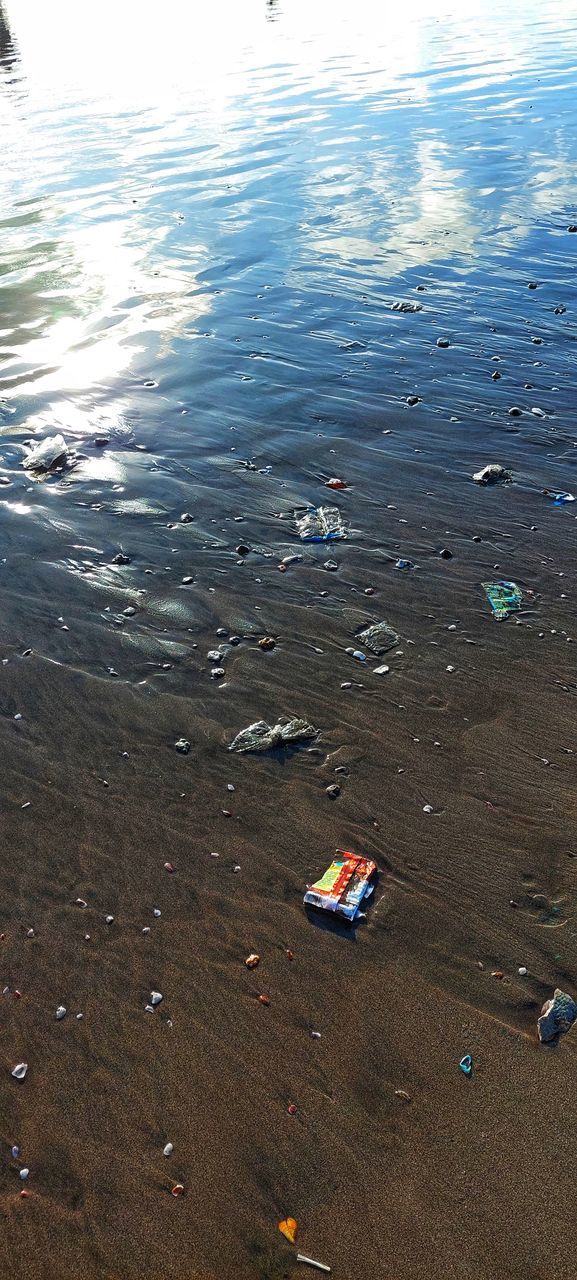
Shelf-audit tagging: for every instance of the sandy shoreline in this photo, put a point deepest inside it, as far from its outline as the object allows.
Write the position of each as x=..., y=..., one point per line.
x=471, y=1176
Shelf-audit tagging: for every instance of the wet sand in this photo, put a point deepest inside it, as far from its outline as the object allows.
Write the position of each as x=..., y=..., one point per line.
x=471, y=1176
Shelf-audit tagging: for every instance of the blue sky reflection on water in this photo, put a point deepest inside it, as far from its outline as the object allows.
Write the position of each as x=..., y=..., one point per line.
x=225, y=200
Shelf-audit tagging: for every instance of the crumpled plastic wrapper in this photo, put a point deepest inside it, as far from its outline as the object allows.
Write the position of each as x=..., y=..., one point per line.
x=379, y=637
x=557, y=1017
x=46, y=454
x=321, y=524
x=261, y=736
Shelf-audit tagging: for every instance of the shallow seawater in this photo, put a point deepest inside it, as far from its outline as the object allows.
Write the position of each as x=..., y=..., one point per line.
x=232, y=236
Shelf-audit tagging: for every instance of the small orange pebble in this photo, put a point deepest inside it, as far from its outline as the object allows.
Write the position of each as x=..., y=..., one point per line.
x=335, y=483
x=17, y=995
x=264, y=1000
x=178, y=1189
x=281, y=568
x=24, y=1195
x=292, y=1108
x=288, y=1226
x=267, y=642
x=290, y=955
x=497, y=973
x=252, y=960
x=168, y=866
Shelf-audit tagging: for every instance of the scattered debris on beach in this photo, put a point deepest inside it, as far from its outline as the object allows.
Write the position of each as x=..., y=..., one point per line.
x=261, y=736
x=344, y=886
x=504, y=597
x=557, y=1016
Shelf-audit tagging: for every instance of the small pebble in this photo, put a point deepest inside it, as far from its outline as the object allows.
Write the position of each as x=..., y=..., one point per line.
x=168, y=1150
x=60, y=1012
x=333, y=791
x=15, y=1152
x=186, y=517
x=155, y=998
x=515, y=411
x=522, y=970
x=24, y=1174
x=442, y=342
x=109, y=919
x=427, y=808
x=182, y=746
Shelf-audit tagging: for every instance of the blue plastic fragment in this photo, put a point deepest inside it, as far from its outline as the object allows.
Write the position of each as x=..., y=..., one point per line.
x=466, y=1064
x=561, y=498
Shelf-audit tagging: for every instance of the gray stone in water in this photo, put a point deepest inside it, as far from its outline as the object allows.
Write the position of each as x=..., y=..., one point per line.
x=514, y=411
x=557, y=1016
x=442, y=342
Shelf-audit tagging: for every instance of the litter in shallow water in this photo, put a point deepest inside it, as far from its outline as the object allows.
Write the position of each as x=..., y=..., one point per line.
x=321, y=524
x=344, y=886
x=47, y=454
x=504, y=597
x=261, y=736
x=491, y=474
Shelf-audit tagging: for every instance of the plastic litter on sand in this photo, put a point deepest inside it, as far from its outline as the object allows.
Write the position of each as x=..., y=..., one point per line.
x=45, y=455
x=311, y=1262
x=344, y=886
x=261, y=736
x=504, y=597
x=321, y=524
x=557, y=1016
x=379, y=637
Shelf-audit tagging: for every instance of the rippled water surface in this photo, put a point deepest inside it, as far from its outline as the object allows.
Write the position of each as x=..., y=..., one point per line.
x=229, y=205
x=207, y=227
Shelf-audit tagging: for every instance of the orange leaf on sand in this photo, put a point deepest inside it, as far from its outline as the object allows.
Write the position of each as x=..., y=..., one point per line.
x=288, y=1226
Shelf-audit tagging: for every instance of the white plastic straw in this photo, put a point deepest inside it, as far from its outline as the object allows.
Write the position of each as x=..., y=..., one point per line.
x=311, y=1263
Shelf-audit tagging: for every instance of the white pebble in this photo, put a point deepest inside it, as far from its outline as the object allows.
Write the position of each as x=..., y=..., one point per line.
x=24, y=1174
x=450, y=668
x=146, y=929
x=156, y=912
x=19, y=1071
x=109, y=919
x=168, y=1150
x=155, y=997
x=427, y=808
x=522, y=970
x=60, y=1013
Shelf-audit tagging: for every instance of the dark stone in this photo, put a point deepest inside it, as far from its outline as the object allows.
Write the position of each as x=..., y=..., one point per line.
x=183, y=746
x=242, y=549
x=120, y=558
x=445, y=553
